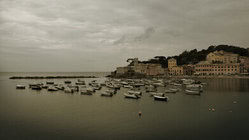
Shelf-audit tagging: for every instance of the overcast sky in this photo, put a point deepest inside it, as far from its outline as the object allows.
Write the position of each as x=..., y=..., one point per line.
x=99, y=35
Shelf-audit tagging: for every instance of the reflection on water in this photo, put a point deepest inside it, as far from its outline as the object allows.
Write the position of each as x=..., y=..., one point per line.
x=228, y=85
x=27, y=114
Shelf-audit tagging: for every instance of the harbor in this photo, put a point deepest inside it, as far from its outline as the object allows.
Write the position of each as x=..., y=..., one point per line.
x=83, y=113
x=136, y=88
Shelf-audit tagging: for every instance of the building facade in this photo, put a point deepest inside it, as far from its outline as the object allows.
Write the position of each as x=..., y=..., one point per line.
x=146, y=69
x=223, y=57
x=206, y=68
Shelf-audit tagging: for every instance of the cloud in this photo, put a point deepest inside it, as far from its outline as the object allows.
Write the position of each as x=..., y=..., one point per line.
x=72, y=32
x=147, y=33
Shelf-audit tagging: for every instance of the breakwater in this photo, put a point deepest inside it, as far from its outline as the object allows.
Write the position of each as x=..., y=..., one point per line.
x=49, y=77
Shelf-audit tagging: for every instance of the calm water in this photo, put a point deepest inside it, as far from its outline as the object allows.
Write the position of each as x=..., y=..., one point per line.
x=27, y=114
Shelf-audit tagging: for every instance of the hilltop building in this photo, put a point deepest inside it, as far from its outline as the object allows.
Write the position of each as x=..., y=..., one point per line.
x=221, y=63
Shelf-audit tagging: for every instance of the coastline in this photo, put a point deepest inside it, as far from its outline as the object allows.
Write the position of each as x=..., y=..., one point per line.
x=211, y=77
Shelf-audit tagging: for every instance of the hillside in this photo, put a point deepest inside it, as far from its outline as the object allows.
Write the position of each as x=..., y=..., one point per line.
x=194, y=56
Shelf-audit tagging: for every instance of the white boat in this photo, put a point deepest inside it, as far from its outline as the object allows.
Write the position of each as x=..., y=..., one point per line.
x=135, y=92
x=195, y=87
x=90, y=89
x=175, y=89
x=161, y=98
x=128, y=86
x=158, y=84
x=80, y=83
x=86, y=92
x=151, y=90
x=60, y=87
x=68, y=90
x=156, y=93
x=74, y=88
x=133, y=96
x=107, y=94
x=138, y=84
x=20, y=87
x=193, y=92
x=188, y=81
x=112, y=91
x=170, y=91
x=52, y=88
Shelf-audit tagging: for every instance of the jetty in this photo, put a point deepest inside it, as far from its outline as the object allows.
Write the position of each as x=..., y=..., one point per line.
x=50, y=77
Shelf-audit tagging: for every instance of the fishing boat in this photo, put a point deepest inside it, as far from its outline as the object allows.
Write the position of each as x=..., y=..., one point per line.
x=20, y=87
x=161, y=98
x=192, y=92
x=132, y=96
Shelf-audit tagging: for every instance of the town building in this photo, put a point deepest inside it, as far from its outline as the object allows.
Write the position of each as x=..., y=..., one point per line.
x=142, y=68
x=244, y=61
x=207, y=68
x=222, y=57
x=175, y=70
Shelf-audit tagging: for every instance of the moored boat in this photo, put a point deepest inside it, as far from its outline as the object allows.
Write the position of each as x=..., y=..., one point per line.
x=193, y=92
x=107, y=94
x=161, y=98
x=86, y=92
x=67, y=82
x=49, y=82
x=170, y=91
x=132, y=96
x=68, y=90
x=135, y=92
x=20, y=87
x=128, y=86
x=36, y=87
x=52, y=88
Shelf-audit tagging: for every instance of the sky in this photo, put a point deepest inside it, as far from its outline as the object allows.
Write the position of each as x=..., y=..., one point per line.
x=100, y=35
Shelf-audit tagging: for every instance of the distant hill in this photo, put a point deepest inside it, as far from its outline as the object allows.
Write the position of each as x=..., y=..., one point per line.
x=194, y=56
